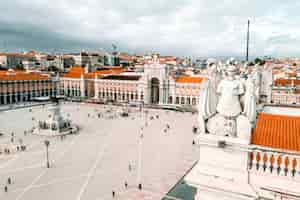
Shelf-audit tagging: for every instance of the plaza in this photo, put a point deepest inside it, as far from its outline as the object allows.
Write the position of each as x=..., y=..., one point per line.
x=109, y=151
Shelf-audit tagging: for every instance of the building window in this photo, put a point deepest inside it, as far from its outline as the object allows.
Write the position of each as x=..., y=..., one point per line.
x=188, y=101
x=182, y=100
x=194, y=101
x=170, y=100
x=177, y=100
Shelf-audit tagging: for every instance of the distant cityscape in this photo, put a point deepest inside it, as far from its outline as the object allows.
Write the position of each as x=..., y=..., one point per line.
x=120, y=77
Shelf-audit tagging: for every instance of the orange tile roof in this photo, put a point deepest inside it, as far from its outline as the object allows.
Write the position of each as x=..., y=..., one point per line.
x=18, y=54
x=277, y=131
x=77, y=72
x=21, y=75
x=286, y=82
x=189, y=79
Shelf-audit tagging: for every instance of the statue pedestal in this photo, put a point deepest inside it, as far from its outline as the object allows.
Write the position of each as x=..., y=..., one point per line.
x=221, y=172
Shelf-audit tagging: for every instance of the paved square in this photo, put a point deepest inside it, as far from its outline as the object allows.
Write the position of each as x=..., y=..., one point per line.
x=92, y=164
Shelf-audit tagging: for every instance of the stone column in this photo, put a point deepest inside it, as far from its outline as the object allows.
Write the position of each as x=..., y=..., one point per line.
x=21, y=97
x=10, y=98
x=82, y=86
x=4, y=99
x=16, y=97
x=96, y=86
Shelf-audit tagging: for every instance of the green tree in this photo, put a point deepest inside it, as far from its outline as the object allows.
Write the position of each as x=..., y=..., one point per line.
x=259, y=61
x=20, y=66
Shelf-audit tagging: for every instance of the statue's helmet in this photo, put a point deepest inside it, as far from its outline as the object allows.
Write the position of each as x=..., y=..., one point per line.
x=211, y=61
x=231, y=70
x=231, y=61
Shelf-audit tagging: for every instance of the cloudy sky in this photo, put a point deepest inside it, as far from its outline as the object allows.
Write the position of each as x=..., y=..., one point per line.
x=177, y=27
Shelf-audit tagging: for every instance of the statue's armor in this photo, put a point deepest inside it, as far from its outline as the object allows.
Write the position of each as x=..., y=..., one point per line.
x=229, y=102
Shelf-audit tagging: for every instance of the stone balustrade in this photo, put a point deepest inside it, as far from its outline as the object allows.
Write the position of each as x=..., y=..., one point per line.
x=275, y=162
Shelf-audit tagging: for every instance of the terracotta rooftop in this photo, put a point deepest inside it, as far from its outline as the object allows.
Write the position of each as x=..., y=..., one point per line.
x=277, y=131
x=189, y=79
x=286, y=82
x=6, y=75
x=30, y=54
x=77, y=71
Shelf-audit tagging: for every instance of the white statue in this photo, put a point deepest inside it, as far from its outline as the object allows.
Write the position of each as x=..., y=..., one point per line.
x=230, y=90
x=155, y=58
x=223, y=115
x=208, y=100
x=256, y=76
x=250, y=101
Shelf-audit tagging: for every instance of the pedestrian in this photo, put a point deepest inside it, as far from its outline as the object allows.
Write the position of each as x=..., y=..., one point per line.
x=113, y=194
x=129, y=167
x=126, y=184
x=140, y=186
x=9, y=180
x=5, y=188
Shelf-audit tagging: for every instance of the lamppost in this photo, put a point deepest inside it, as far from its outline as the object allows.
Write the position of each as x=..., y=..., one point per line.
x=140, y=161
x=47, y=143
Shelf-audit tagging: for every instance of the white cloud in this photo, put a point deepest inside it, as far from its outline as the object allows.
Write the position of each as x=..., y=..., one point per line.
x=190, y=27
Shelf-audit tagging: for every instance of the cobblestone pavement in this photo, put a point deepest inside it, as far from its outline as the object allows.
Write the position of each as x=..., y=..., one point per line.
x=108, y=151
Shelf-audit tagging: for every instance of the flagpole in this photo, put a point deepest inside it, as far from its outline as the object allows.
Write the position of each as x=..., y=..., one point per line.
x=248, y=37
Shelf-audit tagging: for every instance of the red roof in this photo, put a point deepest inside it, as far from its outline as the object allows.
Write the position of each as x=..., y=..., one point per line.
x=21, y=75
x=277, y=131
x=287, y=82
x=189, y=79
x=77, y=72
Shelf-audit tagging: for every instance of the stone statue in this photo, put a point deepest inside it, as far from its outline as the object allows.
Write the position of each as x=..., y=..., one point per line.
x=207, y=104
x=155, y=58
x=222, y=112
x=250, y=101
x=256, y=76
x=230, y=90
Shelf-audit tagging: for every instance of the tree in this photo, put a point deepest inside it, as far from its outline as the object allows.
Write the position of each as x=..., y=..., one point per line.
x=20, y=66
x=259, y=61
x=53, y=68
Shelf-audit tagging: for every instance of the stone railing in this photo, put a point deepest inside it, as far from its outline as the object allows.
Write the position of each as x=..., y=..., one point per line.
x=274, y=162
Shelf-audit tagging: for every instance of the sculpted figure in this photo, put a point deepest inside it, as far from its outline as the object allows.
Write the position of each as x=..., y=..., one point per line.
x=250, y=101
x=221, y=111
x=230, y=90
x=207, y=104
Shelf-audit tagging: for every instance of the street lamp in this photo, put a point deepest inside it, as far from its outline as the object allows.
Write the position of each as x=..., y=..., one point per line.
x=47, y=143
